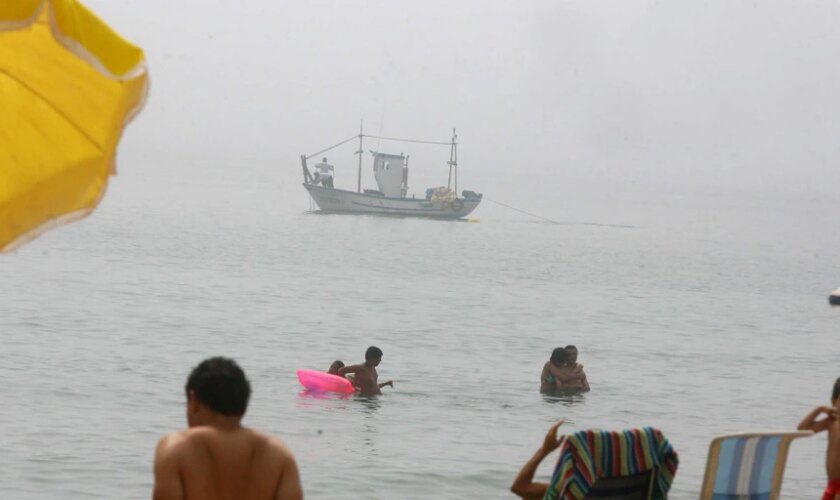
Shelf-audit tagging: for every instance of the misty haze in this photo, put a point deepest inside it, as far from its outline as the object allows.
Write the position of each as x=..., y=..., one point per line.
x=659, y=186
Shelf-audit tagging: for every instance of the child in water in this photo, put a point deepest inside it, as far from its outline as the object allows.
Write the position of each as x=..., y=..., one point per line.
x=830, y=423
x=335, y=369
x=335, y=366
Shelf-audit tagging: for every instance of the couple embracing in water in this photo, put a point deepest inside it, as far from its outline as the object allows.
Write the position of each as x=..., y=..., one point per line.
x=563, y=373
x=364, y=375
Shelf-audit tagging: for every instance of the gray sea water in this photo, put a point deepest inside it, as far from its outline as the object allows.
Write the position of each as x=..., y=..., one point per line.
x=695, y=311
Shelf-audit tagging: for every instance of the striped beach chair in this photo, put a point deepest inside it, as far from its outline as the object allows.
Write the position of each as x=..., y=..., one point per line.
x=636, y=464
x=747, y=466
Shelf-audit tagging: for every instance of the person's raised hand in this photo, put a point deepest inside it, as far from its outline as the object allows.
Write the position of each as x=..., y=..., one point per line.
x=551, y=441
x=830, y=413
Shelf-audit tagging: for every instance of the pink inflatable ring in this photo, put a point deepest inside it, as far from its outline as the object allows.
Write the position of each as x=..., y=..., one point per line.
x=314, y=380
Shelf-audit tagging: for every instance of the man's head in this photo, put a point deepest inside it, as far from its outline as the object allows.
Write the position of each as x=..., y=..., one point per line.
x=216, y=386
x=335, y=366
x=835, y=394
x=558, y=356
x=571, y=354
x=324, y=160
x=373, y=356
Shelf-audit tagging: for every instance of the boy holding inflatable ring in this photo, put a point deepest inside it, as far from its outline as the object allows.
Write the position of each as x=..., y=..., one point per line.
x=366, y=377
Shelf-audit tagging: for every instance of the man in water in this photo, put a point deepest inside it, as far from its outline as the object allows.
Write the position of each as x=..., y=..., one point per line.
x=325, y=173
x=216, y=457
x=367, y=380
x=576, y=368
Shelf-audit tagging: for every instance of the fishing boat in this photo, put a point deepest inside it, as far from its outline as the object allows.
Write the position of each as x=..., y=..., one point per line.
x=391, y=196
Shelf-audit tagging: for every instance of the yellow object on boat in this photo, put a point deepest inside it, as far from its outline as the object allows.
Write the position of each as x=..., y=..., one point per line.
x=68, y=86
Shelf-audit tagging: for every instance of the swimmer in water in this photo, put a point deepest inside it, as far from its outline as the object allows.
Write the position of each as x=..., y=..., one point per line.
x=367, y=379
x=576, y=369
x=335, y=367
x=562, y=373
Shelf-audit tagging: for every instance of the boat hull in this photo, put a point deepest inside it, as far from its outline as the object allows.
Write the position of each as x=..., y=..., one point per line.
x=330, y=200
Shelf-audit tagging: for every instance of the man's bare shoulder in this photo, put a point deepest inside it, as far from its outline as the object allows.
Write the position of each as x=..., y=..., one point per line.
x=183, y=441
x=273, y=445
x=182, y=447
x=174, y=442
x=172, y=452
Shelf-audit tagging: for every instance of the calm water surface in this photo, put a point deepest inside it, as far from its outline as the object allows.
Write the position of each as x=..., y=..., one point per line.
x=698, y=313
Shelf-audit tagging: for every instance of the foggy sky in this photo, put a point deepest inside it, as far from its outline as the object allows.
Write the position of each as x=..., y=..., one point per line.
x=722, y=93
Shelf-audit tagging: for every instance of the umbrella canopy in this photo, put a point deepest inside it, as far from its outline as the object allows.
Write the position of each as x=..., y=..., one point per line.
x=68, y=86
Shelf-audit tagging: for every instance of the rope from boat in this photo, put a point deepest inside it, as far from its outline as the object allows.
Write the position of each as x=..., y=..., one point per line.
x=333, y=147
x=376, y=137
x=522, y=211
x=407, y=140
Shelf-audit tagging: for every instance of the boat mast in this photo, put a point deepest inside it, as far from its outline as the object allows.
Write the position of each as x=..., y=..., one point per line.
x=359, y=152
x=455, y=145
x=453, y=162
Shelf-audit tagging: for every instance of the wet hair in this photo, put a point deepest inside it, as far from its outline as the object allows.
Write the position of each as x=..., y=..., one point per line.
x=337, y=363
x=570, y=346
x=836, y=392
x=373, y=352
x=558, y=356
x=220, y=384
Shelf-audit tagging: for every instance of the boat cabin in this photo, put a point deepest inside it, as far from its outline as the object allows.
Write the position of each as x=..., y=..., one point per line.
x=391, y=174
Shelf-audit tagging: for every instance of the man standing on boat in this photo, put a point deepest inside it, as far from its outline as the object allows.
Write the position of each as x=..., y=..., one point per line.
x=325, y=173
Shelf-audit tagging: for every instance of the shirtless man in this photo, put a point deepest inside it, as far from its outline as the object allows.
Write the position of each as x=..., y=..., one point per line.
x=575, y=369
x=366, y=378
x=830, y=423
x=217, y=458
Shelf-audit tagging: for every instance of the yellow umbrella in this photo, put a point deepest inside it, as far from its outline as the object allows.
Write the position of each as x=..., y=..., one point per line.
x=68, y=86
